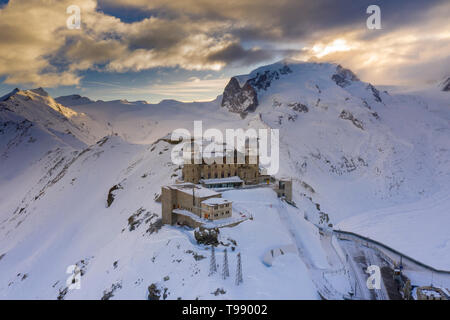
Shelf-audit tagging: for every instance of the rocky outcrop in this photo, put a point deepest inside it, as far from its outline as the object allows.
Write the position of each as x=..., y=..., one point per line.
x=156, y=292
x=207, y=236
x=263, y=80
x=375, y=92
x=239, y=100
x=245, y=99
x=111, y=194
x=346, y=115
x=299, y=107
x=446, y=85
x=343, y=77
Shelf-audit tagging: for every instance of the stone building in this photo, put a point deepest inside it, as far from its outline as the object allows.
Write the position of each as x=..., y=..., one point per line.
x=284, y=189
x=216, y=208
x=244, y=166
x=192, y=205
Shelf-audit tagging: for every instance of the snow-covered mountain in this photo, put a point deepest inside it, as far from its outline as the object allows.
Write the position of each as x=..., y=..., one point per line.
x=362, y=159
x=73, y=100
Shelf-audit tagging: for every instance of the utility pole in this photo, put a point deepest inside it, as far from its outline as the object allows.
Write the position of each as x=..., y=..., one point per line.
x=212, y=265
x=239, y=279
x=225, y=271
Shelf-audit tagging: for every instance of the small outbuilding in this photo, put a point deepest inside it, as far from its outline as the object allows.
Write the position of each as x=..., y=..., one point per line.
x=284, y=189
x=193, y=205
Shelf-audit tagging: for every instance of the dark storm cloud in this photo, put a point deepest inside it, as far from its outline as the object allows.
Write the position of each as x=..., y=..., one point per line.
x=287, y=19
x=236, y=54
x=135, y=35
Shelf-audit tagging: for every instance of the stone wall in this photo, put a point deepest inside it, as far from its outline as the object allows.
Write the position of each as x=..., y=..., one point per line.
x=249, y=173
x=186, y=221
x=172, y=198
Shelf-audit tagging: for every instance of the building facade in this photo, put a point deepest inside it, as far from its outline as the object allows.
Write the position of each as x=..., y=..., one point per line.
x=222, y=183
x=247, y=171
x=284, y=189
x=226, y=163
x=216, y=208
x=192, y=205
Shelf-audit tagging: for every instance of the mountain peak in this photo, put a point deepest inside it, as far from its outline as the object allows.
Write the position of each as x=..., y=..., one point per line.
x=244, y=93
x=40, y=91
x=344, y=77
x=37, y=91
x=73, y=100
x=8, y=95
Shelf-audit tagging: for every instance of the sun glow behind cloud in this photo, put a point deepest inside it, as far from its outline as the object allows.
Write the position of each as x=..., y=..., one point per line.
x=339, y=45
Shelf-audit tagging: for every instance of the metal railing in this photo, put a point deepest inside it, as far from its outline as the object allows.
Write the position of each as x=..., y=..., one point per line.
x=392, y=250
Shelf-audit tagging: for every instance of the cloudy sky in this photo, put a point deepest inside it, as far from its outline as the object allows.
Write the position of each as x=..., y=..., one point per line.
x=188, y=49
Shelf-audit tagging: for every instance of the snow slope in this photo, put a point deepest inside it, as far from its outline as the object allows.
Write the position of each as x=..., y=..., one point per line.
x=364, y=159
x=362, y=149
x=72, y=224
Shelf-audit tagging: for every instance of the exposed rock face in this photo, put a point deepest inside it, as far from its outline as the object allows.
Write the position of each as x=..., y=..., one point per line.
x=245, y=99
x=446, y=85
x=237, y=99
x=111, y=194
x=346, y=115
x=343, y=77
x=156, y=292
x=299, y=107
x=207, y=236
x=262, y=81
x=375, y=92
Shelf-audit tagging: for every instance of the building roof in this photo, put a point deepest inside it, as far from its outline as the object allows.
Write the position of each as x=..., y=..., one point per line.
x=234, y=179
x=215, y=201
x=200, y=192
